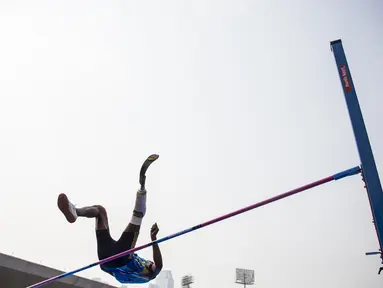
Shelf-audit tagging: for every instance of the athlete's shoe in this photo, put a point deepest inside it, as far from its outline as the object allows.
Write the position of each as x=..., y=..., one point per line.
x=67, y=208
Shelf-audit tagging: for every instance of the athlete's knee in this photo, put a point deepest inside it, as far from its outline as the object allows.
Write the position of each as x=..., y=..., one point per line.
x=102, y=217
x=101, y=211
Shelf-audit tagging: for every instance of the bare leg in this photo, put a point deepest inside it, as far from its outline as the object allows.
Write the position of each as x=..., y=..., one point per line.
x=95, y=211
x=71, y=212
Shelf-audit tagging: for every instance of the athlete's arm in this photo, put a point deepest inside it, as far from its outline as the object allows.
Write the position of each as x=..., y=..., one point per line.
x=157, y=257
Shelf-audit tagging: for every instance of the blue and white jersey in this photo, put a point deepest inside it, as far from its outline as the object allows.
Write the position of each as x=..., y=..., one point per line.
x=137, y=270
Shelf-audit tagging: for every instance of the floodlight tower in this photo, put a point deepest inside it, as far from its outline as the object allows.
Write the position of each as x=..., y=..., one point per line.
x=187, y=280
x=244, y=276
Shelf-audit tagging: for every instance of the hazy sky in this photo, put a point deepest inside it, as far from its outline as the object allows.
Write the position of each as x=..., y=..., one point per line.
x=242, y=101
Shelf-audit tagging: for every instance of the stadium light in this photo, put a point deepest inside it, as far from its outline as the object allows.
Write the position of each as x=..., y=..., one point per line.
x=244, y=277
x=187, y=280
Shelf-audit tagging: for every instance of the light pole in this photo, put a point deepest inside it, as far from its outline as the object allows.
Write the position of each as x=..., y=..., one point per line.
x=244, y=276
x=187, y=280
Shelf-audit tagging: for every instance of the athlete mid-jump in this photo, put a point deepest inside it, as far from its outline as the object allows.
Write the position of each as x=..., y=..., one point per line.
x=130, y=268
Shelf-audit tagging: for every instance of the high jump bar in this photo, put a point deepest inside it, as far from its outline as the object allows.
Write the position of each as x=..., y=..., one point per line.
x=337, y=176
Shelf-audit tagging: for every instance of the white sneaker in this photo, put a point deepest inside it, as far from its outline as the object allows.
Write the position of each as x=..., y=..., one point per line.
x=67, y=208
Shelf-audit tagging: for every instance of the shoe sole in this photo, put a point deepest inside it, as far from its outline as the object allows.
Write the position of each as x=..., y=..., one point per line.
x=63, y=204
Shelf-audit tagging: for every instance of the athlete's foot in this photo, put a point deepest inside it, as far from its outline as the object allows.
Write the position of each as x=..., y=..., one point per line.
x=67, y=208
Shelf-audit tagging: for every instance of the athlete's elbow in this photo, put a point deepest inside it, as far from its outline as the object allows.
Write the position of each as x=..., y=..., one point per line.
x=158, y=266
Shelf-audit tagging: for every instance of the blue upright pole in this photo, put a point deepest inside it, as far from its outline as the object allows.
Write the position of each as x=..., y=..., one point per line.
x=370, y=173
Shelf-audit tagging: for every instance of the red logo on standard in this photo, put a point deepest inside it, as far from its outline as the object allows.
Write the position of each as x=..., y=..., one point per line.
x=345, y=78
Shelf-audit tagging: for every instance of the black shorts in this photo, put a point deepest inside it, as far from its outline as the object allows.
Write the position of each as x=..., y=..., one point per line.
x=107, y=246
